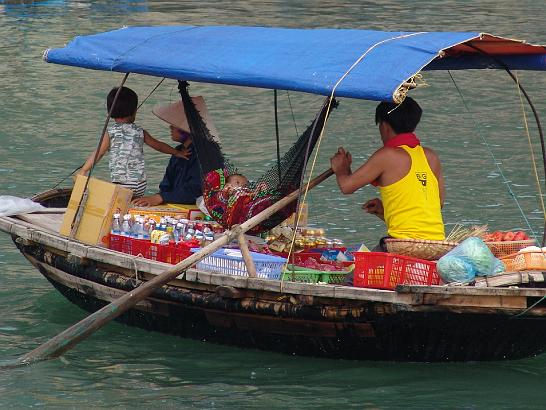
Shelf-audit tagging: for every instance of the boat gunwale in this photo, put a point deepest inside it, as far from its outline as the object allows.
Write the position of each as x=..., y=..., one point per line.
x=404, y=294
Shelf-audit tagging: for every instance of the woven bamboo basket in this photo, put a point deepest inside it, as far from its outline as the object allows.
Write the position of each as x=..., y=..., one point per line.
x=505, y=248
x=419, y=248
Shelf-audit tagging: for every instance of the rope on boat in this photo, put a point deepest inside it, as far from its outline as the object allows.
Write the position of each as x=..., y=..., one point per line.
x=140, y=105
x=151, y=92
x=330, y=99
x=537, y=178
x=292, y=112
x=529, y=308
x=496, y=162
x=136, y=269
x=66, y=177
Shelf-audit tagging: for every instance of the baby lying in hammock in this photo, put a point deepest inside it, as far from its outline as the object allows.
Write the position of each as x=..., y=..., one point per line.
x=231, y=201
x=236, y=181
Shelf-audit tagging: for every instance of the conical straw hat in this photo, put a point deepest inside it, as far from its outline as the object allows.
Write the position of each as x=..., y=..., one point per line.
x=175, y=115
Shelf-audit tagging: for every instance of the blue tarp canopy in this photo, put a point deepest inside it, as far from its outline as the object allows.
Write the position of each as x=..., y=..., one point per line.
x=308, y=60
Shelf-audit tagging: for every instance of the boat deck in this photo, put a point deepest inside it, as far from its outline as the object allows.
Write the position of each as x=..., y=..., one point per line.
x=32, y=230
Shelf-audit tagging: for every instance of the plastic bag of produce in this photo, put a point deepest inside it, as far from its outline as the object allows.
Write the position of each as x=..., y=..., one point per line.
x=469, y=259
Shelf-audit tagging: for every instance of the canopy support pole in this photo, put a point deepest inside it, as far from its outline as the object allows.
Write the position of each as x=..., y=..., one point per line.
x=83, y=201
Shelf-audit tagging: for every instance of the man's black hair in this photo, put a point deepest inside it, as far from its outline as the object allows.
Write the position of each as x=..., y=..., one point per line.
x=402, y=118
x=126, y=104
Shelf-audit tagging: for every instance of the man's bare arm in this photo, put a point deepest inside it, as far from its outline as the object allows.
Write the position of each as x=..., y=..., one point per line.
x=368, y=172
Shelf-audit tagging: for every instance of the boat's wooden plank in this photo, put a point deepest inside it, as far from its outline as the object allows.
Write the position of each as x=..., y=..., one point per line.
x=99, y=291
x=22, y=231
x=126, y=261
x=308, y=289
x=228, y=280
x=494, y=301
x=203, y=277
x=55, y=241
x=265, y=285
x=470, y=290
x=5, y=224
x=77, y=249
x=376, y=295
x=191, y=275
x=50, y=222
x=511, y=278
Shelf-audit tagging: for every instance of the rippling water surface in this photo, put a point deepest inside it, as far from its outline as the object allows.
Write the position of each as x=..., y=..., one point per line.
x=50, y=118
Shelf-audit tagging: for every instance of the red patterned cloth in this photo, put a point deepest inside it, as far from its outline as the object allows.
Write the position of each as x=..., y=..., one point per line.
x=408, y=138
x=231, y=206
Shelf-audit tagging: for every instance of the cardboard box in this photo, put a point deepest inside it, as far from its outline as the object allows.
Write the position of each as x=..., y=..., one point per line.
x=304, y=218
x=194, y=213
x=179, y=211
x=104, y=199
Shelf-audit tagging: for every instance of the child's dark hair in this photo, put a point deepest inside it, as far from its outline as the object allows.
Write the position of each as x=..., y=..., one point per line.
x=402, y=118
x=126, y=104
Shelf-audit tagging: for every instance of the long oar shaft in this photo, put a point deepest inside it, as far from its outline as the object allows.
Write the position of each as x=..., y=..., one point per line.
x=81, y=330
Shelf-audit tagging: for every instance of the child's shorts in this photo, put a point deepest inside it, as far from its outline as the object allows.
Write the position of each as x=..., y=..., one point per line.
x=138, y=188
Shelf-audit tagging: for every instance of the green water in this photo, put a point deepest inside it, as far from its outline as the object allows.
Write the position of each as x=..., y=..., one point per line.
x=50, y=117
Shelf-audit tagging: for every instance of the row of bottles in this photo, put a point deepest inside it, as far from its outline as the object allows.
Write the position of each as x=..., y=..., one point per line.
x=167, y=230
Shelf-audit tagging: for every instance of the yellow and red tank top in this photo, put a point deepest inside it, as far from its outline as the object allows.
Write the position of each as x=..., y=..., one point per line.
x=412, y=204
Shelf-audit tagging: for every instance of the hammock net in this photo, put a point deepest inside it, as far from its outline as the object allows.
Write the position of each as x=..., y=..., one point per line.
x=229, y=206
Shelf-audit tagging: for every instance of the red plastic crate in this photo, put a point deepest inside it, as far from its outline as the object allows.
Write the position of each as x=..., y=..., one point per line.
x=115, y=242
x=386, y=270
x=171, y=253
x=299, y=258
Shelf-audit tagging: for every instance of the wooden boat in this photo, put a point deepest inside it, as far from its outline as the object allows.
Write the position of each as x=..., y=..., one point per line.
x=411, y=323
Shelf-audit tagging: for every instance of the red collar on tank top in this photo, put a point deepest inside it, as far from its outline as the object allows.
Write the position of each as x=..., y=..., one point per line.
x=407, y=138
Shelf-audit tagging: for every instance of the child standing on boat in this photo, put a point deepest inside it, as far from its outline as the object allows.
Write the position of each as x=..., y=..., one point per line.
x=125, y=140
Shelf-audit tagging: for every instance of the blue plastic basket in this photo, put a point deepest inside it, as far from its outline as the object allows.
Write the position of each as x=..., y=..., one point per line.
x=230, y=262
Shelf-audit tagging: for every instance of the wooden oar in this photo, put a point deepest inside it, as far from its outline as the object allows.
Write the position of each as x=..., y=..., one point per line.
x=81, y=330
x=50, y=211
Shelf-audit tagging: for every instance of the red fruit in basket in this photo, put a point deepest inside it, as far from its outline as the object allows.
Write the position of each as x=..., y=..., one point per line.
x=496, y=236
x=520, y=236
x=508, y=236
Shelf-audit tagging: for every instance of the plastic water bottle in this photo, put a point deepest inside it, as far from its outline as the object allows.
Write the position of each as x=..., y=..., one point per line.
x=151, y=227
x=190, y=232
x=135, y=226
x=179, y=232
x=176, y=235
x=162, y=224
x=116, y=225
x=126, y=225
x=139, y=230
x=184, y=227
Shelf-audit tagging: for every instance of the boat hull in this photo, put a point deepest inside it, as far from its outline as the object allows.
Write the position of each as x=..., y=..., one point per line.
x=377, y=332
x=413, y=323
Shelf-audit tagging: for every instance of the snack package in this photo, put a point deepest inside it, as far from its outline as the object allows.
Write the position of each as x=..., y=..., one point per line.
x=469, y=259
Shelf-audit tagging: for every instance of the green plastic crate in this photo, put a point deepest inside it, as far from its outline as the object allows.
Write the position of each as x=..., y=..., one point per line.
x=337, y=277
x=301, y=274
x=298, y=274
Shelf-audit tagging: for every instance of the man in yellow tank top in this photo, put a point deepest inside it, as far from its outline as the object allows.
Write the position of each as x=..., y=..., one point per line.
x=409, y=176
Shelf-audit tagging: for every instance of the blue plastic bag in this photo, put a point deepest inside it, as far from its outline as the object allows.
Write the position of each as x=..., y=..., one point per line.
x=469, y=259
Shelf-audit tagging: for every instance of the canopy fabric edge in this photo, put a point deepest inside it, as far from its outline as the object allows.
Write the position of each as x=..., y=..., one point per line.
x=305, y=60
